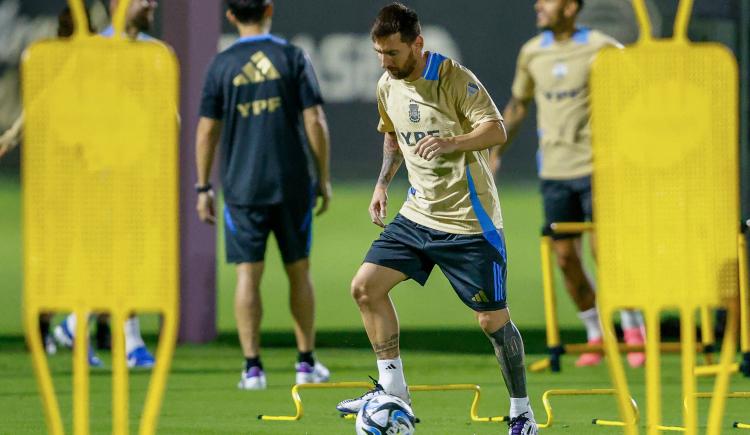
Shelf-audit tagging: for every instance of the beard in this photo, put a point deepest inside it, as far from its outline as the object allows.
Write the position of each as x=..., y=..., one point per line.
x=143, y=21
x=406, y=70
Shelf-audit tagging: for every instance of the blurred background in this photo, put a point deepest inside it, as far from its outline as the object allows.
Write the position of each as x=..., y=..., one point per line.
x=484, y=35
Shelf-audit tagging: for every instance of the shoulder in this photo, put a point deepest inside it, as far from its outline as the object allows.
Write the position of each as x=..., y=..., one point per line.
x=600, y=39
x=444, y=69
x=537, y=43
x=453, y=72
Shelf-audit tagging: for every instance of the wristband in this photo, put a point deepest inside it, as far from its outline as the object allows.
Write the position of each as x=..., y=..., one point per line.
x=203, y=188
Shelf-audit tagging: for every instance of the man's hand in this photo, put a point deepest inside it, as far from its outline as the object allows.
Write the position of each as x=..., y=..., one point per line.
x=378, y=206
x=8, y=141
x=430, y=147
x=205, y=207
x=325, y=192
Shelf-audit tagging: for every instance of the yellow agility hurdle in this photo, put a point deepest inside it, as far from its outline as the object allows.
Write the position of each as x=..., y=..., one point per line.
x=299, y=409
x=664, y=131
x=735, y=395
x=100, y=202
x=583, y=392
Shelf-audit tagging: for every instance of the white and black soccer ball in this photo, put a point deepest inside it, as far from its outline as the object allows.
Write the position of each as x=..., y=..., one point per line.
x=385, y=415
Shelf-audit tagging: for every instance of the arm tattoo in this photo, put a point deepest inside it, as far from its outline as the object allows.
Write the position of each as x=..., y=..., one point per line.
x=392, y=159
x=387, y=349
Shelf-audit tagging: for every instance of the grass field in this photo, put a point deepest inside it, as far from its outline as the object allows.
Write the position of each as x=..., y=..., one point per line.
x=202, y=399
x=440, y=342
x=341, y=238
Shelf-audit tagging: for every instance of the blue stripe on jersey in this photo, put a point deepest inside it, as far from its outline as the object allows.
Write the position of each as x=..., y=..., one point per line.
x=263, y=37
x=581, y=35
x=228, y=221
x=488, y=227
x=547, y=38
x=433, y=66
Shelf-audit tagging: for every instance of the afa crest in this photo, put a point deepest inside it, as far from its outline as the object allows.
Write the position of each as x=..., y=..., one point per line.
x=414, y=112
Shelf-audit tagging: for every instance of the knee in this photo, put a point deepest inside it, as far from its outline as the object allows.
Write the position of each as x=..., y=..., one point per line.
x=568, y=260
x=485, y=322
x=491, y=321
x=361, y=292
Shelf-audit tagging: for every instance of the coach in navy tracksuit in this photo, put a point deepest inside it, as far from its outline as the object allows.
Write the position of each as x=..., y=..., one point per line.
x=256, y=96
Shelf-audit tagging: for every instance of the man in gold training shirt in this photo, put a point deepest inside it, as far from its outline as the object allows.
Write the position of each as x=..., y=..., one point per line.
x=553, y=68
x=438, y=119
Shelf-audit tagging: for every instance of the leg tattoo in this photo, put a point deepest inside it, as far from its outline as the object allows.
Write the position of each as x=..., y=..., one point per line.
x=509, y=351
x=387, y=349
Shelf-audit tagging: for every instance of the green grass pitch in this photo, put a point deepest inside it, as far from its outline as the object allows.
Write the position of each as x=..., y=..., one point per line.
x=440, y=342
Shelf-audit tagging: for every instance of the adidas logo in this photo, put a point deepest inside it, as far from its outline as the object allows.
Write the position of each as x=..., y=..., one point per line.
x=391, y=367
x=480, y=297
x=258, y=70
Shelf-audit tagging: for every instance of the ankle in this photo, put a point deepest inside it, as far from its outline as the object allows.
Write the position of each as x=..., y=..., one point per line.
x=306, y=357
x=253, y=362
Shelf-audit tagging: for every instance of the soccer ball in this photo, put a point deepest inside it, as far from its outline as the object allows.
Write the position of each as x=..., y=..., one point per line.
x=385, y=415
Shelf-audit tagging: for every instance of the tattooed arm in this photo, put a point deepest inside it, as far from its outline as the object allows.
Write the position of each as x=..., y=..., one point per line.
x=392, y=160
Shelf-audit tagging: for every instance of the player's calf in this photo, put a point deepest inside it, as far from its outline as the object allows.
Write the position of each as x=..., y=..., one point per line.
x=509, y=351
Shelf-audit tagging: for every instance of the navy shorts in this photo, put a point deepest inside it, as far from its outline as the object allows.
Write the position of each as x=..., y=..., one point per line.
x=567, y=201
x=474, y=265
x=246, y=230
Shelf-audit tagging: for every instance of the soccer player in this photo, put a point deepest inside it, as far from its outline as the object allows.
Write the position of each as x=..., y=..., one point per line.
x=262, y=99
x=438, y=118
x=139, y=19
x=554, y=68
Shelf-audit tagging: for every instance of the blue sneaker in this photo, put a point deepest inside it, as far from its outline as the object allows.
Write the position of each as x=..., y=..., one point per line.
x=65, y=338
x=94, y=360
x=522, y=425
x=140, y=358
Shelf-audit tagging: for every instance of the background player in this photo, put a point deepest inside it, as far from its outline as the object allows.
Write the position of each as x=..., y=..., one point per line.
x=139, y=19
x=11, y=138
x=437, y=117
x=554, y=67
x=254, y=94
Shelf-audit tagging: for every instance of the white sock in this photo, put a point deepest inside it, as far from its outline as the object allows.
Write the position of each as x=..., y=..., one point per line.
x=631, y=319
x=590, y=318
x=391, y=377
x=70, y=324
x=519, y=405
x=133, y=339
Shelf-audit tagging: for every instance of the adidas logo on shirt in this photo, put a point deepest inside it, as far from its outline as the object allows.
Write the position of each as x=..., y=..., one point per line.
x=258, y=70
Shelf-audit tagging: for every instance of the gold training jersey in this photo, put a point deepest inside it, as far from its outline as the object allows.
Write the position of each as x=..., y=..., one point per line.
x=453, y=193
x=556, y=74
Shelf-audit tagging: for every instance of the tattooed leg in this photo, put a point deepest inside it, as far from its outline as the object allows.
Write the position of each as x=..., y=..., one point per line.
x=370, y=289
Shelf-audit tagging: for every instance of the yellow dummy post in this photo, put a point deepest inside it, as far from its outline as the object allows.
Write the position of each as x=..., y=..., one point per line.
x=100, y=202
x=664, y=130
x=555, y=348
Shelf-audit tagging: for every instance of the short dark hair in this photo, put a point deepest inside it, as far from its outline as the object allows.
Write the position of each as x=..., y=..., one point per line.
x=248, y=11
x=580, y=4
x=396, y=18
x=66, y=24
